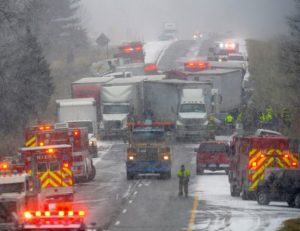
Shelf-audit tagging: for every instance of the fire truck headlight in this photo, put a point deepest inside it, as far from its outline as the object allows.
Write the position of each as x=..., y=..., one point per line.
x=81, y=213
x=27, y=215
x=38, y=213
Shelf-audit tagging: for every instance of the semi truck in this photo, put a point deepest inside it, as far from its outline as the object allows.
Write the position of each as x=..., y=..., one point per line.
x=186, y=104
x=81, y=112
x=120, y=98
x=227, y=82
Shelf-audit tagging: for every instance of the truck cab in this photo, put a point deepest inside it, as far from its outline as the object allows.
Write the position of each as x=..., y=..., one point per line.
x=192, y=114
x=213, y=156
x=148, y=152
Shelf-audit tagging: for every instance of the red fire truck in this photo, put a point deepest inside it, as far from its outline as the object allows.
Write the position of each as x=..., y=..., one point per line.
x=250, y=156
x=41, y=135
x=212, y=155
x=53, y=167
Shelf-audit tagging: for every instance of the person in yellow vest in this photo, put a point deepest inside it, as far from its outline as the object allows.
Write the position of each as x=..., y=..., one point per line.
x=183, y=175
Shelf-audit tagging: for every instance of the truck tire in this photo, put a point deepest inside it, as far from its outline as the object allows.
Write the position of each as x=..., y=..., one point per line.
x=199, y=171
x=130, y=176
x=291, y=201
x=297, y=201
x=263, y=197
x=234, y=192
x=92, y=173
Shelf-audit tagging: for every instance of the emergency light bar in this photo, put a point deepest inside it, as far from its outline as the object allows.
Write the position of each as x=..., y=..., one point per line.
x=196, y=65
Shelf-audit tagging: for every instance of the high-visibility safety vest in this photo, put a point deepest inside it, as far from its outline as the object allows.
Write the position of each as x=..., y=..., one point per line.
x=239, y=117
x=229, y=119
x=186, y=173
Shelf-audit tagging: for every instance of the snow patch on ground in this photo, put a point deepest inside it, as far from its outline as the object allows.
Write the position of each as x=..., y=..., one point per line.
x=154, y=49
x=223, y=212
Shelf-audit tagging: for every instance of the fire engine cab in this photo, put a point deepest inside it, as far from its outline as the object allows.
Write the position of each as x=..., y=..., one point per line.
x=82, y=167
x=250, y=156
x=53, y=167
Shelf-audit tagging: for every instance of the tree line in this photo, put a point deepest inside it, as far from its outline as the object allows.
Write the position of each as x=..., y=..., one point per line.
x=32, y=33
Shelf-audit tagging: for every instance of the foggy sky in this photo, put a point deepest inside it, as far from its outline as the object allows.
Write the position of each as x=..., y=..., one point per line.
x=123, y=20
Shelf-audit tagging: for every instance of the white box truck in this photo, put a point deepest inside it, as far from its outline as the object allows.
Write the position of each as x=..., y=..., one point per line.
x=81, y=112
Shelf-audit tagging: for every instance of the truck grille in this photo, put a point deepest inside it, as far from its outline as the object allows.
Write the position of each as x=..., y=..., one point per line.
x=113, y=124
x=147, y=154
x=193, y=124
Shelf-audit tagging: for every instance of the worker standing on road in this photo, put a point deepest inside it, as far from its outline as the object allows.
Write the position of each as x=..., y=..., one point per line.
x=184, y=177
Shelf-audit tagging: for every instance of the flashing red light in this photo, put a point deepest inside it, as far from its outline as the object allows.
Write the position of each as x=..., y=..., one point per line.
x=61, y=213
x=66, y=165
x=127, y=49
x=76, y=133
x=70, y=213
x=294, y=164
x=254, y=164
x=196, y=65
x=50, y=150
x=4, y=166
x=81, y=213
x=262, y=156
x=47, y=213
x=138, y=48
x=150, y=68
x=27, y=215
x=38, y=213
x=286, y=155
x=42, y=144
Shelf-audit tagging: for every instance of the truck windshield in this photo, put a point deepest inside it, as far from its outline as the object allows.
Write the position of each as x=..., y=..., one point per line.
x=148, y=136
x=206, y=147
x=115, y=109
x=82, y=124
x=192, y=108
x=11, y=188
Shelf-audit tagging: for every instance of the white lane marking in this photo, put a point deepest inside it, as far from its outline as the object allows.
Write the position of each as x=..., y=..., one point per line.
x=124, y=211
x=130, y=202
x=117, y=223
x=140, y=185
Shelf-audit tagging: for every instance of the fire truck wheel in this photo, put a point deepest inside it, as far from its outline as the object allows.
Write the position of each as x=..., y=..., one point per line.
x=297, y=201
x=263, y=197
x=233, y=191
x=92, y=173
x=291, y=201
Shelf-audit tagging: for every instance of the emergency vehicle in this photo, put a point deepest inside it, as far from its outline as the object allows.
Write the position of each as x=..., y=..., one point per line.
x=18, y=190
x=41, y=135
x=213, y=156
x=220, y=50
x=250, y=156
x=131, y=53
x=148, y=152
x=53, y=166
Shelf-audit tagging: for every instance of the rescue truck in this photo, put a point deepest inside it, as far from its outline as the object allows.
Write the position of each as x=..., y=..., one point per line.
x=251, y=156
x=148, y=152
x=213, y=156
x=131, y=53
x=18, y=190
x=53, y=166
x=46, y=134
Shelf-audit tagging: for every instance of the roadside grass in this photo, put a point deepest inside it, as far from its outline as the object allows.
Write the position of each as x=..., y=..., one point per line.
x=291, y=225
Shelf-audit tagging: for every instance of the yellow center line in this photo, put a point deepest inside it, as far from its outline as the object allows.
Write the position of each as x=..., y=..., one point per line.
x=193, y=214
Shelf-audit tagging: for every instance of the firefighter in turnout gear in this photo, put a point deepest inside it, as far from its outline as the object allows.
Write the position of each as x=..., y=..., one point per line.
x=184, y=177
